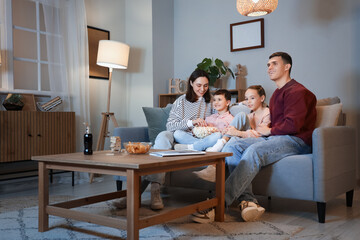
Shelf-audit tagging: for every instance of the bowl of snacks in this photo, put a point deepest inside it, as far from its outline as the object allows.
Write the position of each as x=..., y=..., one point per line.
x=137, y=147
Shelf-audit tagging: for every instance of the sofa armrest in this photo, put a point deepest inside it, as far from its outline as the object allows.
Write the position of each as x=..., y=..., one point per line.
x=334, y=161
x=132, y=134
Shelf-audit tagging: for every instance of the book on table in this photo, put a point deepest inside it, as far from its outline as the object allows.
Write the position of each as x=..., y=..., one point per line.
x=176, y=153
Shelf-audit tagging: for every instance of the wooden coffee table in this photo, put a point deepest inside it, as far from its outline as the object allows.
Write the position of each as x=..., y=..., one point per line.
x=133, y=167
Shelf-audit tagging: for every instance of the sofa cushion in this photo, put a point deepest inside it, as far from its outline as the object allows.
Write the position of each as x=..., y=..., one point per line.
x=328, y=115
x=235, y=109
x=156, y=119
x=328, y=101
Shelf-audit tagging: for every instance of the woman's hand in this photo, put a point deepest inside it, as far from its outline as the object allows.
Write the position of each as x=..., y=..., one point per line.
x=199, y=122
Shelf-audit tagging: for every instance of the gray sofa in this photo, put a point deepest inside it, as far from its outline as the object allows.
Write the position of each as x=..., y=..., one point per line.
x=326, y=173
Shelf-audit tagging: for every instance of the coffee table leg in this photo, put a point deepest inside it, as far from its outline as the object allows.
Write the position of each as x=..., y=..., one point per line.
x=133, y=204
x=43, y=197
x=220, y=190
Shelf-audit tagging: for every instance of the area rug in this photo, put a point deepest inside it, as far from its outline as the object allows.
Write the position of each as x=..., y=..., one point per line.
x=22, y=224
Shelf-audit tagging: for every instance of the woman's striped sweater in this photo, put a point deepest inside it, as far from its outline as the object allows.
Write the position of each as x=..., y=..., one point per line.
x=182, y=111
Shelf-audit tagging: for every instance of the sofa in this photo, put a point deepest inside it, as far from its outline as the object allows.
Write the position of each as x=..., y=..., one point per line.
x=326, y=173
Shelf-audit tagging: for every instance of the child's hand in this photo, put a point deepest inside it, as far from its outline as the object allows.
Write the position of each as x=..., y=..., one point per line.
x=199, y=122
x=251, y=134
x=230, y=130
x=264, y=130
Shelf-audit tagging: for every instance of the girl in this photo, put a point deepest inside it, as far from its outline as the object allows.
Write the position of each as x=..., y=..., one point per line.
x=219, y=120
x=244, y=126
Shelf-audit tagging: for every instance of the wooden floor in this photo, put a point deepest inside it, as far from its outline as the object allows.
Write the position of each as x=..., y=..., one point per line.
x=341, y=222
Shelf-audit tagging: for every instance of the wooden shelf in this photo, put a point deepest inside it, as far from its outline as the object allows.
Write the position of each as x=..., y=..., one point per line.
x=166, y=98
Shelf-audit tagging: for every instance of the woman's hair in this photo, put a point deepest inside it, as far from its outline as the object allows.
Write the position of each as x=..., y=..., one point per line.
x=190, y=94
x=225, y=93
x=260, y=90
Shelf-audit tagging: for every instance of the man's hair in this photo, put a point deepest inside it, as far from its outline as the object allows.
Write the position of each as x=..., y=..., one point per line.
x=285, y=57
x=190, y=94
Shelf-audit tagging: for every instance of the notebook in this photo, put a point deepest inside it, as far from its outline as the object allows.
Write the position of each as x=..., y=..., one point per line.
x=176, y=153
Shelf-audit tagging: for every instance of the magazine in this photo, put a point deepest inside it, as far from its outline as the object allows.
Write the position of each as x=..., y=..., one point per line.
x=176, y=153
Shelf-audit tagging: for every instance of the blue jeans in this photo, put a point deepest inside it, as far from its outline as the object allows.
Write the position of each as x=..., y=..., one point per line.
x=200, y=144
x=250, y=155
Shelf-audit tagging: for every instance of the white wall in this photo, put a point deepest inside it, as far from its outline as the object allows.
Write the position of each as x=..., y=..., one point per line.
x=129, y=21
x=323, y=39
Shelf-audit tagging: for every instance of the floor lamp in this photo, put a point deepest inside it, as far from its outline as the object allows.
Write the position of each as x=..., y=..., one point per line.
x=111, y=54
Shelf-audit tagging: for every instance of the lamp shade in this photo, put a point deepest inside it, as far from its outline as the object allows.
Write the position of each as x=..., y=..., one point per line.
x=113, y=54
x=254, y=8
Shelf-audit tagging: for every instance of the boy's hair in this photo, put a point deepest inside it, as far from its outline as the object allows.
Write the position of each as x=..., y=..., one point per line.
x=190, y=94
x=285, y=57
x=225, y=93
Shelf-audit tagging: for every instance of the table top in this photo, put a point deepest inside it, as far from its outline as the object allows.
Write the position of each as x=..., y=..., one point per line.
x=125, y=160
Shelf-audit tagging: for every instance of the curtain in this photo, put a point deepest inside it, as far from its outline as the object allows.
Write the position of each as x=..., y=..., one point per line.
x=67, y=48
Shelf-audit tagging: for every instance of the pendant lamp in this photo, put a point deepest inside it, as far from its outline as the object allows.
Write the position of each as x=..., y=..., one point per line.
x=254, y=8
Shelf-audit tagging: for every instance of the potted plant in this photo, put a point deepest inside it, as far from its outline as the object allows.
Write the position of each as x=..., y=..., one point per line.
x=215, y=69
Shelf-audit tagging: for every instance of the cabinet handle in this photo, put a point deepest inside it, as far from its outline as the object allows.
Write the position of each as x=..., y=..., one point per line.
x=29, y=135
x=39, y=135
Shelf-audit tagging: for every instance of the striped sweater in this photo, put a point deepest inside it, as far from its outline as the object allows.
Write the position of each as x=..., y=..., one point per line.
x=182, y=111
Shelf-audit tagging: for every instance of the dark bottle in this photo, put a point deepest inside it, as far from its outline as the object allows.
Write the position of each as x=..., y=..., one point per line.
x=88, y=141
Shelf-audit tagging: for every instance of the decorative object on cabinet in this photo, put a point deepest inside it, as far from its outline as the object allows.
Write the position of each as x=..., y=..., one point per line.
x=241, y=76
x=247, y=35
x=179, y=87
x=255, y=8
x=50, y=105
x=215, y=69
x=13, y=102
x=94, y=36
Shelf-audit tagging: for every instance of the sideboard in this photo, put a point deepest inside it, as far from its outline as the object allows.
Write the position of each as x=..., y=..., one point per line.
x=29, y=133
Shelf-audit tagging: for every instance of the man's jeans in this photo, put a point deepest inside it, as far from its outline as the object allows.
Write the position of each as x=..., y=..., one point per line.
x=250, y=155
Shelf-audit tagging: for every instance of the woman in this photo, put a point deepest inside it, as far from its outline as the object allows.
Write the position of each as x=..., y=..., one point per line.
x=188, y=110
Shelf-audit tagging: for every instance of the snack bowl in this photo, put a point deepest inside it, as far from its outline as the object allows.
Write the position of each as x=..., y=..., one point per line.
x=137, y=147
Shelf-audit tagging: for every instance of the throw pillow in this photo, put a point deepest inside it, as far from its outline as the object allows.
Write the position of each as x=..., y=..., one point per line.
x=328, y=115
x=156, y=119
x=328, y=101
x=235, y=109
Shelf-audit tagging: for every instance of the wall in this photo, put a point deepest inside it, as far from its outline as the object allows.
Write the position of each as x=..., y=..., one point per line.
x=321, y=37
x=163, y=46
x=129, y=21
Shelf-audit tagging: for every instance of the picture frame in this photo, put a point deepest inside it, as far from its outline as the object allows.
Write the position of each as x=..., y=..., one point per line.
x=94, y=36
x=247, y=35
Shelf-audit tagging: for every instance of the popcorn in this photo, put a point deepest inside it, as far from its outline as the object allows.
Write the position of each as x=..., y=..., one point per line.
x=201, y=132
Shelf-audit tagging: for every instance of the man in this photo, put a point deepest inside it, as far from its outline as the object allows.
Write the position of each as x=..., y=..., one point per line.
x=293, y=116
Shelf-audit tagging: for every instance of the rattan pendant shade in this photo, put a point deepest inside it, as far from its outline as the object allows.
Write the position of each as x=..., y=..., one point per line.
x=254, y=8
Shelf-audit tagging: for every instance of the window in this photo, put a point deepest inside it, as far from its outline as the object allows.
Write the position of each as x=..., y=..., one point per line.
x=27, y=47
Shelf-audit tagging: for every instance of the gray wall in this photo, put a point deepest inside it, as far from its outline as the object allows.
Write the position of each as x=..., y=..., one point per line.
x=321, y=36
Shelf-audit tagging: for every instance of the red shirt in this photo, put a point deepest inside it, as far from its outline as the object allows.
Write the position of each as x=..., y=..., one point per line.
x=293, y=112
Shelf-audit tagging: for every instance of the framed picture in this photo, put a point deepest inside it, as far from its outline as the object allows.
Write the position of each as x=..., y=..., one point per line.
x=247, y=35
x=94, y=36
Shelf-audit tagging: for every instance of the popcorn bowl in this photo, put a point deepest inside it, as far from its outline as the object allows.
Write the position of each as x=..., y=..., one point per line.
x=137, y=147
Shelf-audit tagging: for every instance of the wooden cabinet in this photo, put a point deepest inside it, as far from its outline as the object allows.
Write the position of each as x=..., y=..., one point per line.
x=28, y=133
x=166, y=98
